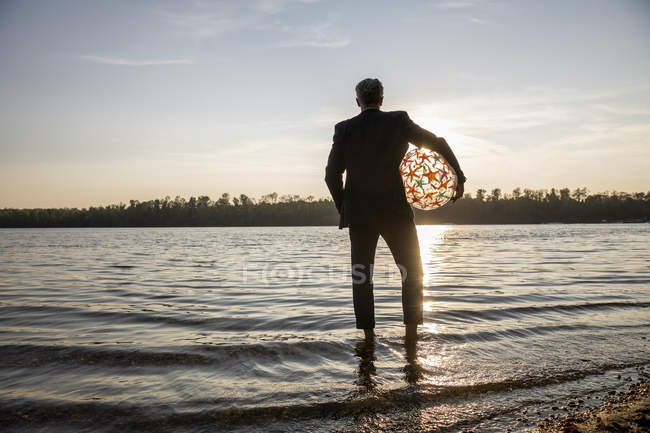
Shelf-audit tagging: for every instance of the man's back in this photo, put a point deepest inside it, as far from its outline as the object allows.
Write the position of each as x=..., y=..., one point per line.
x=370, y=148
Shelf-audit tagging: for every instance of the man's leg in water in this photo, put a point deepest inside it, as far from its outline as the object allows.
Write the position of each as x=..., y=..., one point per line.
x=363, y=242
x=402, y=239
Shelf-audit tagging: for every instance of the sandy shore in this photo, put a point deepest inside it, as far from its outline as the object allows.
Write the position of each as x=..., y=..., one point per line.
x=627, y=411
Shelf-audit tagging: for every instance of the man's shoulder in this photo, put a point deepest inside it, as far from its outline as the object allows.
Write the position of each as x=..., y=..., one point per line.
x=393, y=114
x=345, y=124
x=348, y=121
x=400, y=114
x=341, y=124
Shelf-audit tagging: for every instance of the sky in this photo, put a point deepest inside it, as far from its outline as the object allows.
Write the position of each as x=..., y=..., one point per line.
x=104, y=102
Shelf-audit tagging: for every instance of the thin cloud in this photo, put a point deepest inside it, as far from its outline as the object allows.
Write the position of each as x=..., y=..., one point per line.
x=321, y=35
x=203, y=24
x=315, y=43
x=456, y=4
x=121, y=61
x=208, y=20
x=276, y=6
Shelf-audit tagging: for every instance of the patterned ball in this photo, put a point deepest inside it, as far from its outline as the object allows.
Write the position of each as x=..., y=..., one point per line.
x=429, y=180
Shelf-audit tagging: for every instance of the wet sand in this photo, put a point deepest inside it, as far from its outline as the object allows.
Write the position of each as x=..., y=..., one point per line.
x=627, y=411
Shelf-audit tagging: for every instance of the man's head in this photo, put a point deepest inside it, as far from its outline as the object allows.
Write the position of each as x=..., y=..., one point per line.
x=370, y=93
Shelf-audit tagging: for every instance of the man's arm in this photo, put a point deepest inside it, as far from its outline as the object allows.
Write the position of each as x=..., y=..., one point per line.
x=335, y=168
x=423, y=138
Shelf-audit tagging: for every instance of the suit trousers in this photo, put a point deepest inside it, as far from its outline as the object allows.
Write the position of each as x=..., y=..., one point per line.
x=402, y=240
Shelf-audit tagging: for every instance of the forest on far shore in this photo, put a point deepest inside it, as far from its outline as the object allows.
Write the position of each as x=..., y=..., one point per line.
x=521, y=206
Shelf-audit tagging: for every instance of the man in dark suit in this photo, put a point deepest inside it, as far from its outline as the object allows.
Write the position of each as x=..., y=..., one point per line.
x=369, y=148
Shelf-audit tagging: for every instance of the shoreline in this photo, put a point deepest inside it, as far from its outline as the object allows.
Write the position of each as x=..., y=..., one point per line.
x=626, y=411
x=318, y=225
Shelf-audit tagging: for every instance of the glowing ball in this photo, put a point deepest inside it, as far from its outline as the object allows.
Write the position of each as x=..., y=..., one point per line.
x=429, y=180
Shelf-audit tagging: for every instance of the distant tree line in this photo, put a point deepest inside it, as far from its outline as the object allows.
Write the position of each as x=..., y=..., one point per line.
x=518, y=207
x=527, y=206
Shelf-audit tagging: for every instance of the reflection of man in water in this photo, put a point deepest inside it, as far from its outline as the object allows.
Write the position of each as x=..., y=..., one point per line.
x=369, y=148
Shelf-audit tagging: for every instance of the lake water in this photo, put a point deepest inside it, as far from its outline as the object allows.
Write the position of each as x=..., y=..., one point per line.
x=252, y=329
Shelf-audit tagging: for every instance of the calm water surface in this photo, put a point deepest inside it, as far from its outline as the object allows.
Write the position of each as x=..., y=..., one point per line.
x=252, y=329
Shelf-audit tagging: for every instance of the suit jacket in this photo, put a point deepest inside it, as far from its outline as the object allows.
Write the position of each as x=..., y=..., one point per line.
x=369, y=148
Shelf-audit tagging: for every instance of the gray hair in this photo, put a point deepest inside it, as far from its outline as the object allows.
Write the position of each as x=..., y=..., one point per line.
x=369, y=91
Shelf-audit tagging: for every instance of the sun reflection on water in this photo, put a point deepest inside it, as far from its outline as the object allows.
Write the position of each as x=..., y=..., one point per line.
x=431, y=238
x=427, y=357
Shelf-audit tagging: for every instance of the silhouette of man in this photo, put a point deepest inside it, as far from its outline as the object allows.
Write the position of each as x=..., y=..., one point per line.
x=369, y=148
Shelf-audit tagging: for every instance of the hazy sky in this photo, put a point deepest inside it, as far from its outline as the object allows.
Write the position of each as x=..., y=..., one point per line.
x=106, y=101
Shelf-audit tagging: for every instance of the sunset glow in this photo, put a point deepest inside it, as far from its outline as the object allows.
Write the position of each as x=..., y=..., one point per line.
x=167, y=98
